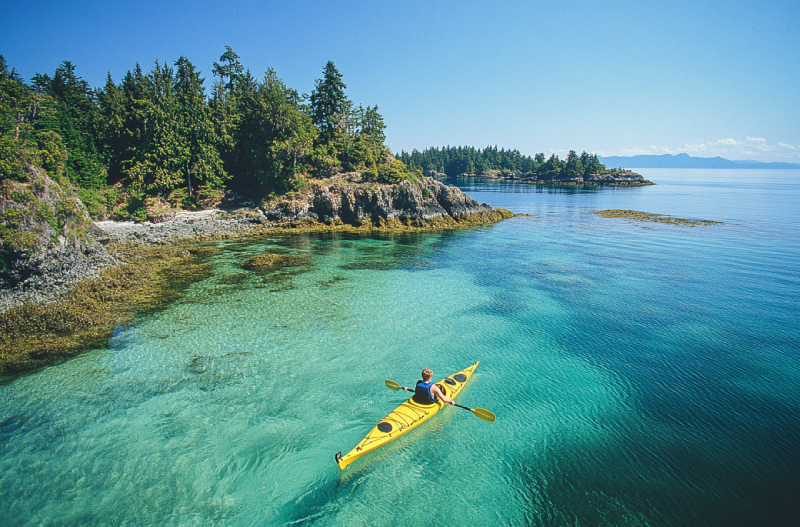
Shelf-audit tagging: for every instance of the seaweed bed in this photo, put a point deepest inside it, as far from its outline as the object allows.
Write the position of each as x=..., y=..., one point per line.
x=271, y=262
x=647, y=216
x=34, y=335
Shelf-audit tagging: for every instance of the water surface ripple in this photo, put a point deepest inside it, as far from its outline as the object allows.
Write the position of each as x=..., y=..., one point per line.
x=642, y=374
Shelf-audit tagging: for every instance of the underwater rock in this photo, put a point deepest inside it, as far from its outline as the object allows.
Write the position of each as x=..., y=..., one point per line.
x=272, y=262
x=198, y=365
x=648, y=216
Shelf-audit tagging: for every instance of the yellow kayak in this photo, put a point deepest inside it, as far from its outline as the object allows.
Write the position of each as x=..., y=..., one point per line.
x=405, y=417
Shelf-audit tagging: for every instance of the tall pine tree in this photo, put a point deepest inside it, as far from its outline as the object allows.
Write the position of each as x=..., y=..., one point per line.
x=328, y=102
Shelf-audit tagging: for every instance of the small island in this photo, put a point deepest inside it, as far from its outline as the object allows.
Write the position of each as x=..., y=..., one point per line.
x=491, y=163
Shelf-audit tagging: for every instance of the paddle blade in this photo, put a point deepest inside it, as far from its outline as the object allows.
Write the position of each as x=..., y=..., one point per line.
x=484, y=414
x=392, y=385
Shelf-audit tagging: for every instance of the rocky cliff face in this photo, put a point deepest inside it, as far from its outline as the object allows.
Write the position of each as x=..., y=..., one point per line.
x=46, y=239
x=346, y=200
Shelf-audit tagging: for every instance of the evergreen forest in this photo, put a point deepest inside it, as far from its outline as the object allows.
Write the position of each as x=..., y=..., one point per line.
x=160, y=135
x=453, y=161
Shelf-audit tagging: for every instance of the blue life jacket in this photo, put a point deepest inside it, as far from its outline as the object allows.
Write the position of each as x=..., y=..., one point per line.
x=422, y=393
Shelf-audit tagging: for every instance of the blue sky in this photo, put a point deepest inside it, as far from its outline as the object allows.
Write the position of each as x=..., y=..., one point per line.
x=616, y=78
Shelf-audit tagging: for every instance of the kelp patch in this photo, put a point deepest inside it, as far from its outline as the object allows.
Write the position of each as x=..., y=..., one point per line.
x=647, y=216
x=207, y=250
x=232, y=279
x=34, y=335
x=267, y=263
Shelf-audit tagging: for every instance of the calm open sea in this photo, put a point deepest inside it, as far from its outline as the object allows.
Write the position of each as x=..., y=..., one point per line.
x=641, y=373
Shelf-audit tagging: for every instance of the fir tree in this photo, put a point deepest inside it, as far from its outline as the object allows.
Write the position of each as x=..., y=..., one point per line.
x=328, y=102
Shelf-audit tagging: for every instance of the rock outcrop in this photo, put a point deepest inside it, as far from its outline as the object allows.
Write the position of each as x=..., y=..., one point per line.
x=343, y=200
x=47, y=240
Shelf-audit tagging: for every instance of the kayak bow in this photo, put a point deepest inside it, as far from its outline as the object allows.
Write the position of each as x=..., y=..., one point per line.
x=405, y=417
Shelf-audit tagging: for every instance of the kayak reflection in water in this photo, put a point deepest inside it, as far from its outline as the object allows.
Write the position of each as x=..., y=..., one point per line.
x=427, y=392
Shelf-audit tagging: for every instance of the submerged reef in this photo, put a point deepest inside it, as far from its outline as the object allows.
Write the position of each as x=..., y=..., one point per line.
x=36, y=334
x=647, y=216
x=272, y=262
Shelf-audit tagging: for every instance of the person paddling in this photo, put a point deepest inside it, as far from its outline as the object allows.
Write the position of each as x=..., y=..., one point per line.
x=426, y=392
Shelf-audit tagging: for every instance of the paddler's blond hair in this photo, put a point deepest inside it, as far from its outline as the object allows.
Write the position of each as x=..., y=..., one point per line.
x=426, y=374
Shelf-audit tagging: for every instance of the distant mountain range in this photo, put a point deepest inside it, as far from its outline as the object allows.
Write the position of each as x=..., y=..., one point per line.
x=685, y=161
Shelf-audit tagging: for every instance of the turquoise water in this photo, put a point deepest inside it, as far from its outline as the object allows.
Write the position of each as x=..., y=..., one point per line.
x=642, y=374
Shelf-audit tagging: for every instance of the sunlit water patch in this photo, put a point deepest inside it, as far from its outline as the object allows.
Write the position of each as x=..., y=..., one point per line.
x=641, y=375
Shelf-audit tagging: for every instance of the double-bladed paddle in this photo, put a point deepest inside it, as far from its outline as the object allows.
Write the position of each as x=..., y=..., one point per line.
x=481, y=413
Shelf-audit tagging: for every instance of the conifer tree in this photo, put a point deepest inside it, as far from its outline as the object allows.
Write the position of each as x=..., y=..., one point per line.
x=574, y=167
x=201, y=160
x=230, y=68
x=111, y=127
x=328, y=102
x=74, y=120
x=285, y=133
x=22, y=144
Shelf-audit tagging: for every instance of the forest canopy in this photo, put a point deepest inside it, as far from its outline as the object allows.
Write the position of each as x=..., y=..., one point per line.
x=159, y=134
x=453, y=161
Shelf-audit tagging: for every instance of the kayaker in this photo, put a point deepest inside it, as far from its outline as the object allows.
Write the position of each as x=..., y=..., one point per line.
x=426, y=392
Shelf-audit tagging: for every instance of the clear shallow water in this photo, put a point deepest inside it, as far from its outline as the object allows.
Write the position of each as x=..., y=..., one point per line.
x=642, y=374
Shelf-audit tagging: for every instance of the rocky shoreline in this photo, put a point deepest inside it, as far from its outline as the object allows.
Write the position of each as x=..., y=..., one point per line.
x=343, y=202
x=72, y=292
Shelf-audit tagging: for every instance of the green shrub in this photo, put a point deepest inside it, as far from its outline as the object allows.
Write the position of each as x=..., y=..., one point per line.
x=179, y=198
x=370, y=174
x=93, y=202
x=139, y=214
x=394, y=173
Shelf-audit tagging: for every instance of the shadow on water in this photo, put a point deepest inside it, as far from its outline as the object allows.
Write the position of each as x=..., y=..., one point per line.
x=695, y=444
x=637, y=482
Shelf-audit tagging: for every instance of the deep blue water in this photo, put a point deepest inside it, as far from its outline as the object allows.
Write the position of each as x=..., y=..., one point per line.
x=642, y=374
